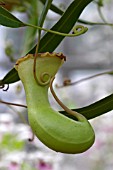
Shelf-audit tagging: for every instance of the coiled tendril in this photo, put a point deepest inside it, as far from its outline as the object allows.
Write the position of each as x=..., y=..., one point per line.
x=79, y=29
x=44, y=79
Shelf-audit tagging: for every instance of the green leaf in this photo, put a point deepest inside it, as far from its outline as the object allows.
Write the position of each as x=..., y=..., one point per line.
x=50, y=41
x=9, y=20
x=44, y=12
x=42, y=19
x=60, y=12
x=11, y=77
x=11, y=143
x=96, y=109
x=30, y=33
x=110, y=73
x=54, y=8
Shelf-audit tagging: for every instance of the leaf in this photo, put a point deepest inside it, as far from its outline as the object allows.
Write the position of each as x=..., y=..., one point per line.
x=30, y=33
x=96, y=109
x=11, y=77
x=110, y=73
x=42, y=19
x=60, y=12
x=49, y=41
x=11, y=143
x=54, y=8
x=9, y=20
x=44, y=12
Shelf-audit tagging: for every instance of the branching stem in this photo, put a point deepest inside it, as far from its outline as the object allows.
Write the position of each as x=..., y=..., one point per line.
x=69, y=83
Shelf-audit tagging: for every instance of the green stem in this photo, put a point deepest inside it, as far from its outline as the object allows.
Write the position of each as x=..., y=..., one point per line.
x=94, y=23
x=78, y=30
x=101, y=14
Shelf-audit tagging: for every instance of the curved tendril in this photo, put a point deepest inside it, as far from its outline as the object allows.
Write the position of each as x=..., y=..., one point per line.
x=6, y=88
x=32, y=138
x=34, y=70
x=71, y=112
x=77, y=30
x=43, y=81
x=2, y=87
x=13, y=104
x=102, y=16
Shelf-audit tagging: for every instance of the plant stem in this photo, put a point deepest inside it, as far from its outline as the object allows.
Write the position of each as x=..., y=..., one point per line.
x=84, y=79
x=77, y=32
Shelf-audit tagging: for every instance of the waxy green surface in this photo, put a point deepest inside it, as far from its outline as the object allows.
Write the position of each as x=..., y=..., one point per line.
x=56, y=131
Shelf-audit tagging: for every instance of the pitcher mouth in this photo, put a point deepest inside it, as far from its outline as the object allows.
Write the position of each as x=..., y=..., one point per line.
x=46, y=54
x=52, y=54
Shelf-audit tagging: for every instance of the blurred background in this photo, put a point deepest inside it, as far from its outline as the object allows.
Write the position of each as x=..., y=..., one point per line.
x=87, y=55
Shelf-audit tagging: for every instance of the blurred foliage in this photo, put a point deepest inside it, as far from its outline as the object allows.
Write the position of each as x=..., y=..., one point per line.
x=11, y=143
